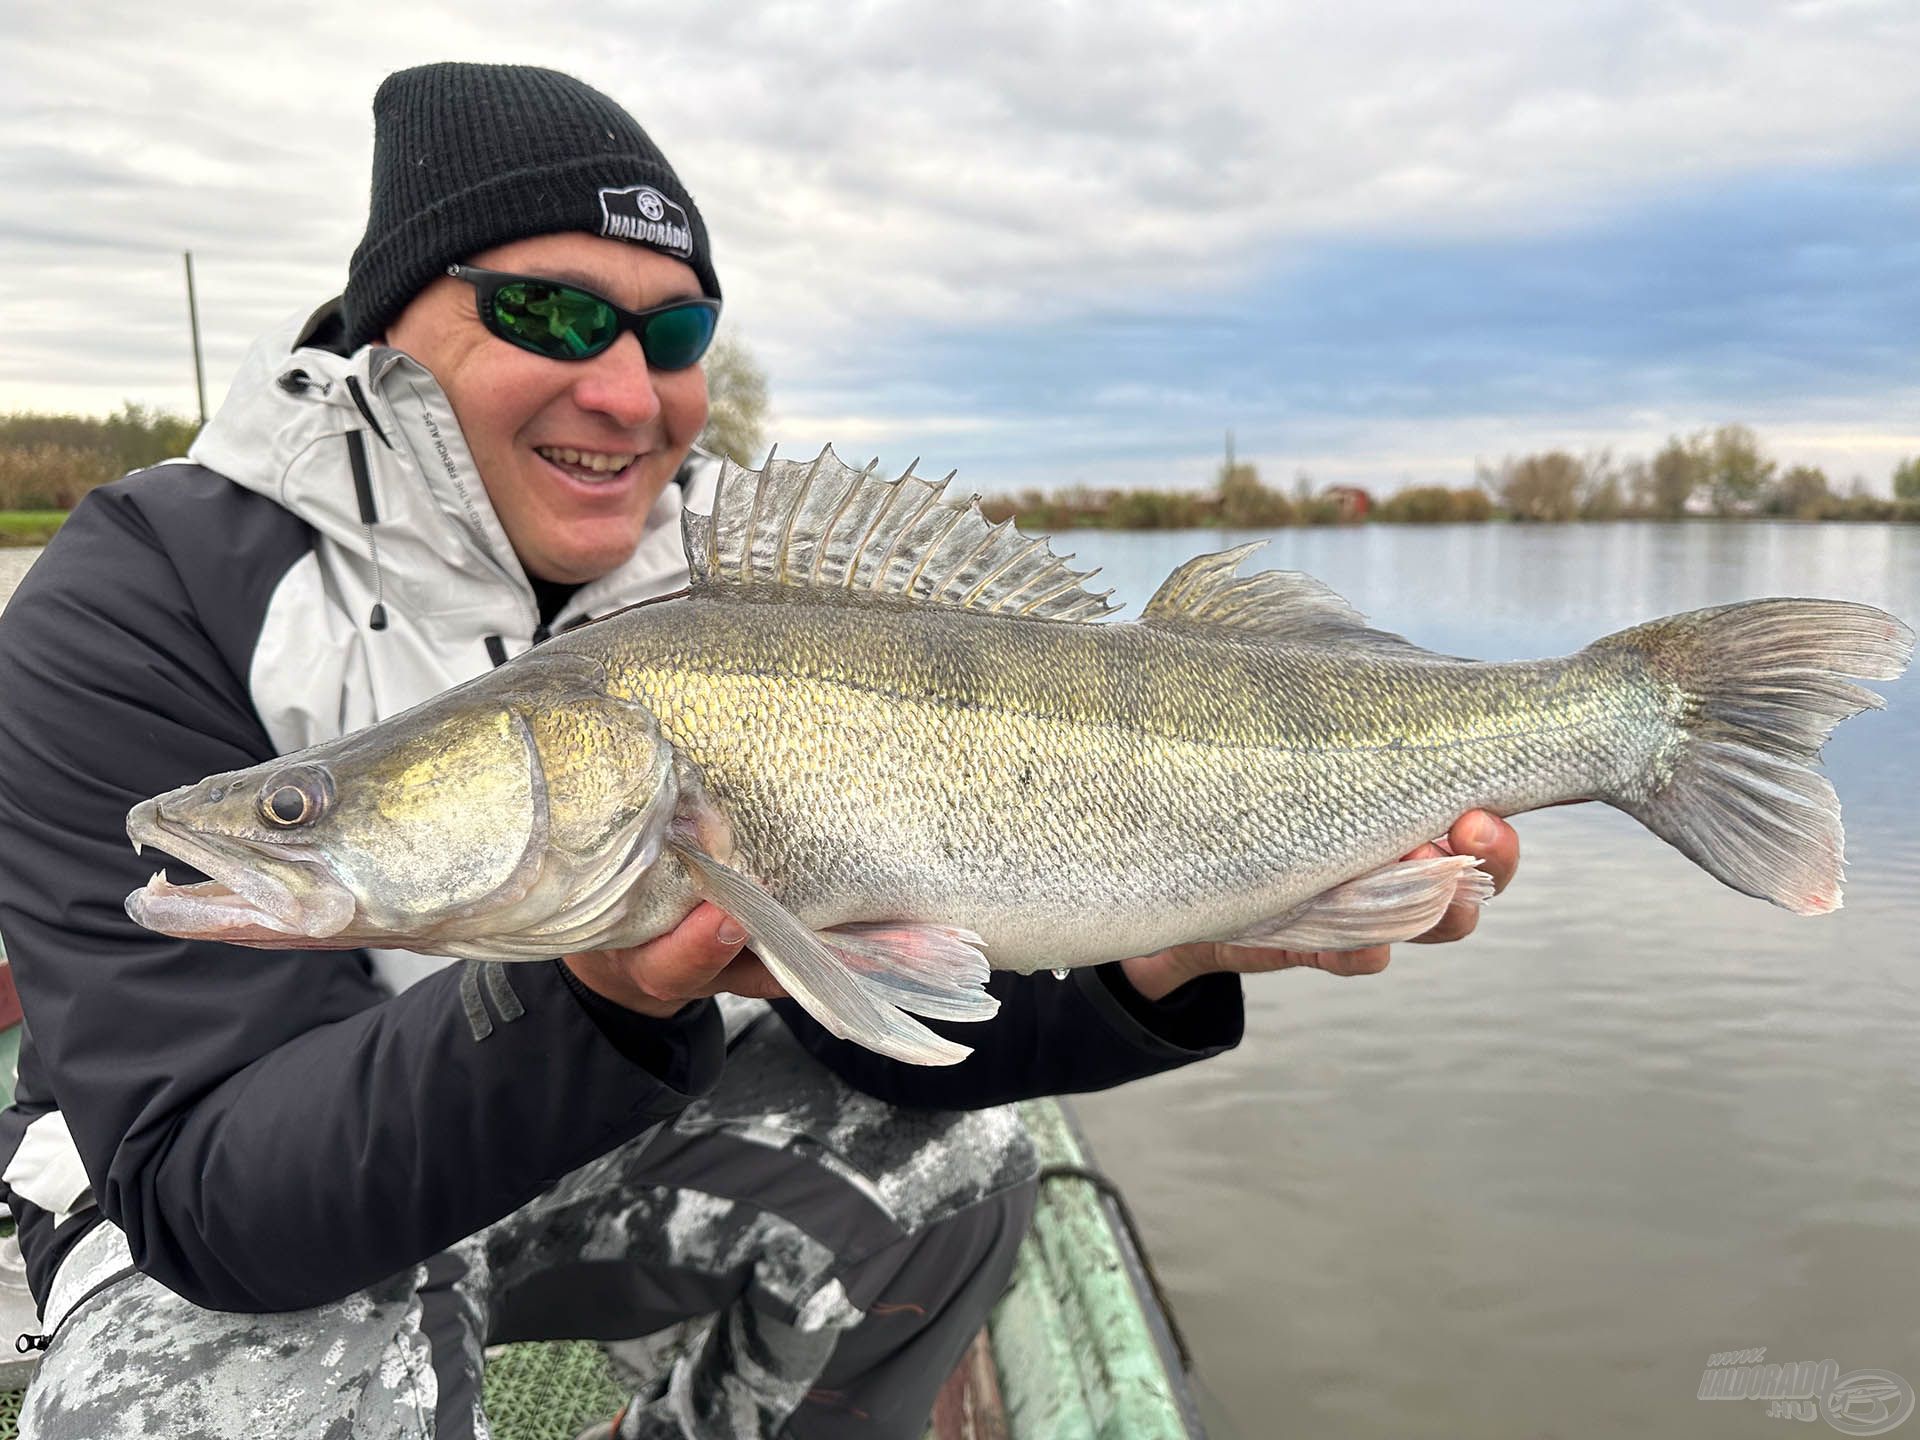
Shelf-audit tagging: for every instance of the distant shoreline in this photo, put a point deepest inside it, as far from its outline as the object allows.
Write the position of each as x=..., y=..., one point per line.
x=25, y=529
x=1875, y=511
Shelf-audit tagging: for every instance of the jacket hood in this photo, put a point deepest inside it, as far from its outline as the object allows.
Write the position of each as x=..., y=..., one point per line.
x=288, y=430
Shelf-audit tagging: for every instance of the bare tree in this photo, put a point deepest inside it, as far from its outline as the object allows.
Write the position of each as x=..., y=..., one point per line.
x=1600, y=493
x=1246, y=503
x=1802, y=492
x=1677, y=471
x=736, y=402
x=1906, y=479
x=1538, y=487
x=1636, y=478
x=1737, y=470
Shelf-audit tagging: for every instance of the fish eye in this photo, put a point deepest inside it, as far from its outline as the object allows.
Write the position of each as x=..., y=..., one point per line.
x=295, y=799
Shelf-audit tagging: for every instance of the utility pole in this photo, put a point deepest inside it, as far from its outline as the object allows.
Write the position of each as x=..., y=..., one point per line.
x=193, y=319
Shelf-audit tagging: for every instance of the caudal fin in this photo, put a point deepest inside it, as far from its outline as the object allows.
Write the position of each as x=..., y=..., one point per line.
x=1754, y=690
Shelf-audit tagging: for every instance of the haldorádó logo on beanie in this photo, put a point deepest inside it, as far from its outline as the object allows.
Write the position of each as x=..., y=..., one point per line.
x=466, y=157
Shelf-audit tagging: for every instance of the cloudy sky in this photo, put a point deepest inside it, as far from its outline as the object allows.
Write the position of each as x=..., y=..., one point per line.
x=1058, y=242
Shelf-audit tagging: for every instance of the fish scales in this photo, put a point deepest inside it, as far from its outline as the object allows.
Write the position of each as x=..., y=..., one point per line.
x=897, y=745
x=999, y=772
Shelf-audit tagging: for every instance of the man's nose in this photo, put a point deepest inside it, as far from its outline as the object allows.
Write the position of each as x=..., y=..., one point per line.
x=617, y=383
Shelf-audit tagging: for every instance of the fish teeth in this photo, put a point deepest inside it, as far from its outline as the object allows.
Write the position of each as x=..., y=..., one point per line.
x=137, y=847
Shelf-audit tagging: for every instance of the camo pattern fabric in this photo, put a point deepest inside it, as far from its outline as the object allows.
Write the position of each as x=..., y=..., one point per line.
x=839, y=1255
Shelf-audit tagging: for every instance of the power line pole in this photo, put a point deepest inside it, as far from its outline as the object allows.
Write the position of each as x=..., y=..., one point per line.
x=193, y=319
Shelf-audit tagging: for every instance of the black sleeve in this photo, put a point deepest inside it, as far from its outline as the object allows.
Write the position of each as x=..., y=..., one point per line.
x=270, y=1129
x=1089, y=1031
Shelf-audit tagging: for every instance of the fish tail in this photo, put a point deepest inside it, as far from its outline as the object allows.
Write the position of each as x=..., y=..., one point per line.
x=1748, y=694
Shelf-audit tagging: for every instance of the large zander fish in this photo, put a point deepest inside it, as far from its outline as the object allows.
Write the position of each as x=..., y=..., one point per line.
x=895, y=743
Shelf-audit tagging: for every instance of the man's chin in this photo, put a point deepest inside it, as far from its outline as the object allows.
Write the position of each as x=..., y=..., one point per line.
x=578, y=538
x=584, y=558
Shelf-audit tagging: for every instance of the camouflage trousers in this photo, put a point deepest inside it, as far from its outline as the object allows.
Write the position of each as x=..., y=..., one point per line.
x=841, y=1253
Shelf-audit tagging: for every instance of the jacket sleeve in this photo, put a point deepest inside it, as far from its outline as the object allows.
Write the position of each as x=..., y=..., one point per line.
x=270, y=1128
x=1089, y=1031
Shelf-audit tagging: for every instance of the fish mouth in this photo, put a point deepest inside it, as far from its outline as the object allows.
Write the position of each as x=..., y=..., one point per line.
x=244, y=901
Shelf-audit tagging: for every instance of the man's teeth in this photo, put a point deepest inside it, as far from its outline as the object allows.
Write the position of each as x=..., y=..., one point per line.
x=585, y=459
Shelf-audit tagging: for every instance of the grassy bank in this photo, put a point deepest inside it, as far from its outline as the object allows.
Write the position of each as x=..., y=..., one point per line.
x=29, y=527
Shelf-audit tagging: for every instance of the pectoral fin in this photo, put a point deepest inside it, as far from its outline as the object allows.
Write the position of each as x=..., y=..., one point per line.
x=813, y=974
x=1382, y=907
x=938, y=971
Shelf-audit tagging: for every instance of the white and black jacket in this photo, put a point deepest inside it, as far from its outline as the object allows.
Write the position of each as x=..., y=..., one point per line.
x=274, y=1129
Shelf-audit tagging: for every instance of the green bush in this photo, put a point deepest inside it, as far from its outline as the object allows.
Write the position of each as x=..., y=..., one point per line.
x=50, y=476
x=1862, y=507
x=1155, y=510
x=1906, y=480
x=49, y=461
x=1434, y=505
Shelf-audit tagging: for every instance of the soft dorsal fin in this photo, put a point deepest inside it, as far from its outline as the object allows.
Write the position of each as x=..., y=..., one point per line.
x=823, y=523
x=1282, y=606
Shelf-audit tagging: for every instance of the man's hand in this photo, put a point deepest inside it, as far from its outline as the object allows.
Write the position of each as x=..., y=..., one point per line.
x=698, y=957
x=1475, y=833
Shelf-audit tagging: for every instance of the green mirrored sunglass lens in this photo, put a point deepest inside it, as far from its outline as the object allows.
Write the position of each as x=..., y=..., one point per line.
x=553, y=320
x=676, y=339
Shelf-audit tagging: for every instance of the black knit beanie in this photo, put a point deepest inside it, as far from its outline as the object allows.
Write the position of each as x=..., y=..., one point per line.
x=466, y=157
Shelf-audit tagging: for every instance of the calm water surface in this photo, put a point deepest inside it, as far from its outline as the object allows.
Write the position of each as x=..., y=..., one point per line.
x=1524, y=1185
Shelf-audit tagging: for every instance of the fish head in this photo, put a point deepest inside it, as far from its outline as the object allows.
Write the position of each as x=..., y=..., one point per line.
x=506, y=807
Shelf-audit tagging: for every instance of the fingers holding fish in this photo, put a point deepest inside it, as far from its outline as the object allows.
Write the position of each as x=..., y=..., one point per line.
x=1158, y=975
x=703, y=955
x=1257, y=960
x=1485, y=835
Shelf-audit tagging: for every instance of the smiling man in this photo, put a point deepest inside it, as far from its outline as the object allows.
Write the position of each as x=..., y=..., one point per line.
x=298, y=1193
x=574, y=456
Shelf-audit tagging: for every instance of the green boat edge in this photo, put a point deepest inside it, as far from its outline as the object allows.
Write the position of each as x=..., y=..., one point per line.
x=1079, y=1347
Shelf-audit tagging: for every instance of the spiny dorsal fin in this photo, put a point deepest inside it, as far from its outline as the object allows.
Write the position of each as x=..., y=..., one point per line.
x=1282, y=606
x=823, y=523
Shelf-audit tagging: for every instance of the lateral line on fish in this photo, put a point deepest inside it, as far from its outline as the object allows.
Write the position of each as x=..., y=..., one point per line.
x=947, y=703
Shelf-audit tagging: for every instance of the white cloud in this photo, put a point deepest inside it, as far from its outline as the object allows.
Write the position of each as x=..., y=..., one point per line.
x=890, y=165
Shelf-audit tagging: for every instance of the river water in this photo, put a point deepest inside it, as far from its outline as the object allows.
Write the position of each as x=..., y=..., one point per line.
x=1525, y=1185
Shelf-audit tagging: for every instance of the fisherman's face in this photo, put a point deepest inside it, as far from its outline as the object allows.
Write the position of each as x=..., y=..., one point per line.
x=568, y=522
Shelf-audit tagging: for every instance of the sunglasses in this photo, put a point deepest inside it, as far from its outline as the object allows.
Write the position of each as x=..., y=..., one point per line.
x=564, y=322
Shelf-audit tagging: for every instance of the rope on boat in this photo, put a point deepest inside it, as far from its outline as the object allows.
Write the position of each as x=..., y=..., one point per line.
x=1112, y=1192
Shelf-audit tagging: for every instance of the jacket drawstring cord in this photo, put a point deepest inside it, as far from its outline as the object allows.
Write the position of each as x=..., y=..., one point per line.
x=363, y=492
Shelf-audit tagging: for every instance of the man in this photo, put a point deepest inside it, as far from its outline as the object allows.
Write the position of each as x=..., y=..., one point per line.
x=298, y=1192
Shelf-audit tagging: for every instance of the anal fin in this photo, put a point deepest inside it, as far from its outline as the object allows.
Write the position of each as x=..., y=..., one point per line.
x=1382, y=907
x=841, y=1000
